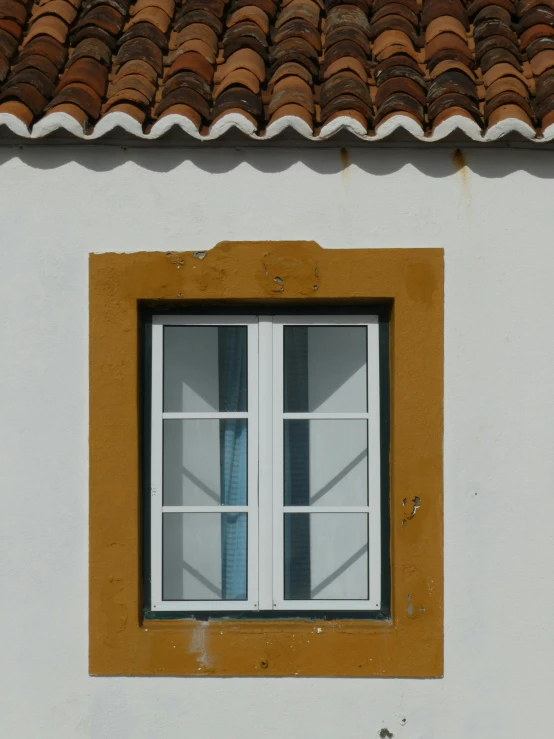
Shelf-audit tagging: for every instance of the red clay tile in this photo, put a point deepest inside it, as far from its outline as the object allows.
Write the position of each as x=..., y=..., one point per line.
x=182, y=110
x=73, y=110
x=19, y=110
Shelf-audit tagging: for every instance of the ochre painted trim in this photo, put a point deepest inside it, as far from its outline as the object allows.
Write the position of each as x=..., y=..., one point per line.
x=411, y=644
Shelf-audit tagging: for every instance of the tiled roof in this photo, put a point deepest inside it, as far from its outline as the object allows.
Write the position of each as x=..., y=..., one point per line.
x=370, y=66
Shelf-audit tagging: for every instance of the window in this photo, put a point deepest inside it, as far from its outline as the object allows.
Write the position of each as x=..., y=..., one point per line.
x=266, y=464
x=406, y=288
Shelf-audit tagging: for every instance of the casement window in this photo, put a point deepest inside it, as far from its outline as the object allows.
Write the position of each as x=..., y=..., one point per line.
x=266, y=475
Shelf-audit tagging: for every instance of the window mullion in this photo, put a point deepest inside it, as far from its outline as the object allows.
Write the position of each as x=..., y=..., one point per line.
x=265, y=472
x=156, y=463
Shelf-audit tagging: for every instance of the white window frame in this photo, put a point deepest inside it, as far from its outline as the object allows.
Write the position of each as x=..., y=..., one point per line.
x=265, y=508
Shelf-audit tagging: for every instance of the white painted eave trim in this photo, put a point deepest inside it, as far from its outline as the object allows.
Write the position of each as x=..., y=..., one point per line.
x=235, y=121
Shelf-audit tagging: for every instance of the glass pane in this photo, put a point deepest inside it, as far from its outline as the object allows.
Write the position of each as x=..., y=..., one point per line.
x=325, y=463
x=325, y=369
x=205, y=369
x=326, y=556
x=205, y=462
x=204, y=556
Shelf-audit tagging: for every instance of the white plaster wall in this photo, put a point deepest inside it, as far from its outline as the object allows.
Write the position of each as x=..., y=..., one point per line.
x=496, y=225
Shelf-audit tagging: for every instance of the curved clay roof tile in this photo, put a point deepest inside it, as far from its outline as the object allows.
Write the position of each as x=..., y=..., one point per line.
x=505, y=84
x=238, y=97
x=496, y=56
x=542, y=61
x=399, y=84
x=508, y=111
x=185, y=96
x=136, y=67
x=94, y=49
x=243, y=30
x=103, y=17
x=493, y=27
x=292, y=96
x=200, y=47
x=47, y=25
x=144, y=30
x=389, y=39
x=129, y=109
x=19, y=110
x=133, y=82
x=141, y=48
x=290, y=68
x=346, y=62
x=87, y=71
x=195, y=31
x=249, y=13
x=268, y=6
x=536, y=32
x=12, y=28
x=168, y=6
x=396, y=9
x=301, y=29
x=436, y=8
x=192, y=81
x=198, y=16
x=346, y=15
x=183, y=110
x=36, y=78
x=502, y=70
x=396, y=23
x=450, y=100
x=128, y=95
x=305, y=9
x=241, y=59
x=45, y=46
x=82, y=96
x=344, y=83
x=449, y=64
x=27, y=94
x=292, y=46
x=400, y=102
x=493, y=43
x=450, y=82
x=37, y=62
x=193, y=62
x=63, y=10
x=477, y=5
x=343, y=103
x=155, y=16
x=400, y=71
x=444, y=24
x=493, y=11
x=239, y=77
x=296, y=111
x=505, y=98
x=11, y=10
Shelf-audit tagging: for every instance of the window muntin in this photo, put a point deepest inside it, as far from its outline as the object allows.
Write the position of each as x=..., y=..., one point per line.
x=315, y=426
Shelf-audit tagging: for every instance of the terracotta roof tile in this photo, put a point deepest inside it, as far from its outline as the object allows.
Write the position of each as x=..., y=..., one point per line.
x=313, y=64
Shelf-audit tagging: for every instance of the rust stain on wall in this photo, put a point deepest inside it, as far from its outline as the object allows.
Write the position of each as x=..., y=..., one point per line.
x=460, y=166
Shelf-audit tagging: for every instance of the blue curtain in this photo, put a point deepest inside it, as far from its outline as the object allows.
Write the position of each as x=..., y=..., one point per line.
x=233, y=464
x=297, y=465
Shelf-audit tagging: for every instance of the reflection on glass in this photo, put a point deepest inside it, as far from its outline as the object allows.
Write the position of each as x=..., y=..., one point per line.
x=325, y=463
x=204, y=556
x=326, y=556
x=205, y=462
x=205, y=369
x=325, y=369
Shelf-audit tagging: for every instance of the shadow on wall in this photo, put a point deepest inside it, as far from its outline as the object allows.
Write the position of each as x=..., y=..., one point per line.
x=433, y=160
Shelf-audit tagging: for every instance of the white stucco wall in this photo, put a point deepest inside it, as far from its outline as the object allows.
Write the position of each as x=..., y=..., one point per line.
x=496, y=224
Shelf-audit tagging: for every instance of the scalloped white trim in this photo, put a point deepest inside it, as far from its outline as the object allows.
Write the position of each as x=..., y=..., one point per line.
x=456, y=123
x=54, y=122
x=509, y=125
x=289, y=121
x=398, y=121
x=15, y=125
x=343, y=123
x=111, y=121
x=226, y=122
x=173, y=119
x=117, y=119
